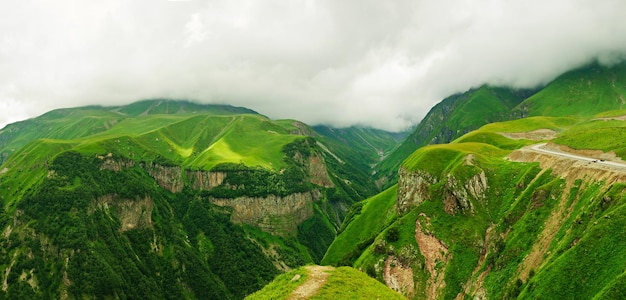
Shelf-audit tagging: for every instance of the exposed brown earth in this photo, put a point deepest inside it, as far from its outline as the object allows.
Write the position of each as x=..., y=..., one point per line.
x=399, y=277
x=619, y=118
x=317, y=276
x=434, y=252
x=535, y=135
x=571, y=165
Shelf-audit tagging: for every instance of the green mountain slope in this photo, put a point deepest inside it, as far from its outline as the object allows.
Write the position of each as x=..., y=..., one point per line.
x=478, y=218
x=86, y=121
x=374, y=144
x=585, y=92
x=451, y=118
x=162, y=199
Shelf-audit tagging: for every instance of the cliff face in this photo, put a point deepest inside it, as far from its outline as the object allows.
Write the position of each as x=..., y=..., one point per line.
x=170, y=177
x=318, y=172
x=525, y=227
x=203, y=180
x=132, y=213
x=273, y=214
x=414, y=187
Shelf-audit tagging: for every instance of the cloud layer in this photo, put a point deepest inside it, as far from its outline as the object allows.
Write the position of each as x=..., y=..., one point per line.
x=376, y=63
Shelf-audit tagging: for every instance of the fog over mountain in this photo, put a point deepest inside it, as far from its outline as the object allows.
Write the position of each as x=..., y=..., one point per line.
x=377, y=63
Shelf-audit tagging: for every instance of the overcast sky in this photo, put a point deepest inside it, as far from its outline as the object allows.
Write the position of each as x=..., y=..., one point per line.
x=376, y=63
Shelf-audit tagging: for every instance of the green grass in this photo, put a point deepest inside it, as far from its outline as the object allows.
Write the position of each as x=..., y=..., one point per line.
x=348, y=283
x=282, y=286
x=368, y=219
x=532, y=123
x=436, y=159
x=451, y=118
x=605, y=135
x=583, y=92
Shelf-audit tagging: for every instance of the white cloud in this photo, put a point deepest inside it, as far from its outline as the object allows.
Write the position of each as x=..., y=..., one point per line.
x=367, y=62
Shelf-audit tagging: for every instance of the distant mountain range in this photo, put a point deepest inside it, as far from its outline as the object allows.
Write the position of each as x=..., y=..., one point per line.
x=172, y=199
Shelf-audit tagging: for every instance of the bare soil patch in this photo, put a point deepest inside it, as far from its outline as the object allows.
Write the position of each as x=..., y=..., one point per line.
x=619, y=118
x=317, y=276
x=535, y=135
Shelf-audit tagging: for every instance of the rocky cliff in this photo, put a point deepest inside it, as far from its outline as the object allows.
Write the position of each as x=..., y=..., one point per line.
x=415, y=187
x=132, y=213
x=273, y=214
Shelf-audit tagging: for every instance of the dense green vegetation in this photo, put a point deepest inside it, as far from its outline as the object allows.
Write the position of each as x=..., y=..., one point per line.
x=91, y=218
x=77, y=215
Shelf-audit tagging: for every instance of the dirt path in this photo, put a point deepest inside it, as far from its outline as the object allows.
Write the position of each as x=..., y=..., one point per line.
x=317, y=276
x=617, y=165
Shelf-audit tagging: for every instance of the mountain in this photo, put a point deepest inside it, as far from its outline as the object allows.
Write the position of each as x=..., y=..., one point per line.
x=585, y=91
x=167, y=199
x=451, y=118
x=373, y=144
x=528, y=208
x=499, y=194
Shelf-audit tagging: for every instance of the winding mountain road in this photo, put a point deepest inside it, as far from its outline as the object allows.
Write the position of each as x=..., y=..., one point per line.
x=539, y=148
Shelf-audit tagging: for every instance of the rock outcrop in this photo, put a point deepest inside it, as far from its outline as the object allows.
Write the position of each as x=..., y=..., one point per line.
x=203, y=180
x=169, y=178
x=415, y=187
x=132, y=213
x=273, y=214
x=318, y=172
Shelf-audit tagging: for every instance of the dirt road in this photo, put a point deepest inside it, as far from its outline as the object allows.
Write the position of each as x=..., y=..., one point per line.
x=541, y=148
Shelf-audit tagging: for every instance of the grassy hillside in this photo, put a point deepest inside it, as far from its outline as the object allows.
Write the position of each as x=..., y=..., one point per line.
x=585, y=92
x=451, y=118
x=72, y=123
x=460, y=235
x=363, y=223
x=374, y=144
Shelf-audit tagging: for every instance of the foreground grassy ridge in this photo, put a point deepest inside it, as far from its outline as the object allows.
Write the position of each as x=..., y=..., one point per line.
x=282, y=286
x=342, y=283
x=348, y=283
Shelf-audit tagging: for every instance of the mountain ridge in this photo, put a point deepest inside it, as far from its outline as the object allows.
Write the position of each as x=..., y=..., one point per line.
x=216, y=204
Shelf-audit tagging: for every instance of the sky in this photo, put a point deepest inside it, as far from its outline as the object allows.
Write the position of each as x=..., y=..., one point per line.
x=373, y=63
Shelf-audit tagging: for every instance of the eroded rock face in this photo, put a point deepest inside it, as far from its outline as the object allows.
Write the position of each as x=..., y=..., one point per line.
x=413, y=189
x=169, y=178
x=318, y=171
x=116, y=164
x=399, y=277
x=203, y=180
x=273, y=214
x=132, y=213
x=436, y=257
